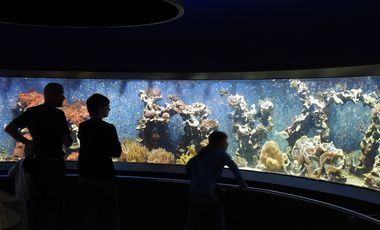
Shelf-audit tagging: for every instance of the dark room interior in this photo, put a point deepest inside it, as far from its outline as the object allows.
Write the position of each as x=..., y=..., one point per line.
x=172, y=41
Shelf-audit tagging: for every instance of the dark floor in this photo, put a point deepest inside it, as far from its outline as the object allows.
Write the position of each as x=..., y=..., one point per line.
x=162, y=204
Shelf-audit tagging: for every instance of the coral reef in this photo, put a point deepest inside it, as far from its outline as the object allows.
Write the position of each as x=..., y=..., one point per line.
x=160, y=156
x=76, y=113
x=352, y=161
x=318, y=160
x=19, y=149
x=248, y=135
x=239, y=160
x=372, y=178
x=370, y=144
x=314, y=110
x=133, y=152
x=73, y=156
x=187, y=155
x=5, y=157
x=153, y=125
x=272, y=157
x=29, y=99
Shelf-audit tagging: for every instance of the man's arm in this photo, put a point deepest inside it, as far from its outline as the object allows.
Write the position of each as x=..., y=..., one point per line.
x=13, y=130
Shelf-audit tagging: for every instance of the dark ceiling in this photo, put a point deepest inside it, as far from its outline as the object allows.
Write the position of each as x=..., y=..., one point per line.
x=212, y=36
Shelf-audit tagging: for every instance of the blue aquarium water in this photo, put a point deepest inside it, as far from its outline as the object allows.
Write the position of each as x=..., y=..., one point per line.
x=320, y=128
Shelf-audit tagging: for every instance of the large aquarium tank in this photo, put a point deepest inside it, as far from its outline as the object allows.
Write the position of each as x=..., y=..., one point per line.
x=319, y=128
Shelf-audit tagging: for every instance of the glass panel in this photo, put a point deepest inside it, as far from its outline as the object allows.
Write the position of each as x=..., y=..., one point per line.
x=319, y=128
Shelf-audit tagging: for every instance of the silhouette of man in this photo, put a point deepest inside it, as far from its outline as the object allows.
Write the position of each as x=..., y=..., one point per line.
x=49, y=130
x=204, y=170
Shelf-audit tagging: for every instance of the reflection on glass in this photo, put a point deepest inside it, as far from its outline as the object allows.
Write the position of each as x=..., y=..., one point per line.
x=321, y=128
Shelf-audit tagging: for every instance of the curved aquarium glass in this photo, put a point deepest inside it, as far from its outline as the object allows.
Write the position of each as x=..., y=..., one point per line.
x=320, y=128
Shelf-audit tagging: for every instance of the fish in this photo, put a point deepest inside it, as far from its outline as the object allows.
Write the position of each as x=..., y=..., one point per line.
x=283, y=134
x=223, y=92
x=139, y=139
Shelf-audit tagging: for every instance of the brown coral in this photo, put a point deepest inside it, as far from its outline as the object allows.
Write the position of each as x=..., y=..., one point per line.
x=19, y=149
x=30, y=98
x=239, y=160
x=76, y=112
x=73, y=156
x=160, y=156
x=133, y=152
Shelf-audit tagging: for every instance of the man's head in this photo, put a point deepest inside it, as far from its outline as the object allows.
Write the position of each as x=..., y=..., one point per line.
x=98, y=105
x=53, y=94
x=218, y=139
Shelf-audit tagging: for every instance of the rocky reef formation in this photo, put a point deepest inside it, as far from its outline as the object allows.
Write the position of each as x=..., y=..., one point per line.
x=372, y=178
x=239, y=160
x=318, y=160
x=314, y=110
x=314, y=116
x=4, y=156
x=29, y=99
x=370, y=144
x=153, y=125
x=250, y=126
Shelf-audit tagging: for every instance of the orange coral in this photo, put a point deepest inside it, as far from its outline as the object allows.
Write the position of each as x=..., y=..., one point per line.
x=76, y=112
x=30, y=98
x=73, y=156
x=19, y=149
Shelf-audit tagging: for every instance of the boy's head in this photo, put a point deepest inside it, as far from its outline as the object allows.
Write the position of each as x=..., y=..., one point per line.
x=218, y=139
x=98, y=105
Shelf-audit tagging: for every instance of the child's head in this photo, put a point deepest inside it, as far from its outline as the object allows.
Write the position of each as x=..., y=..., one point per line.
x=218, y=139
x=98, y=105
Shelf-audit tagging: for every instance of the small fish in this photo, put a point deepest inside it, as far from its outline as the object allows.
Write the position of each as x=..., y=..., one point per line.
x=139, y=139
x=223, y=92
x=283, y=134
x=182, y=150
